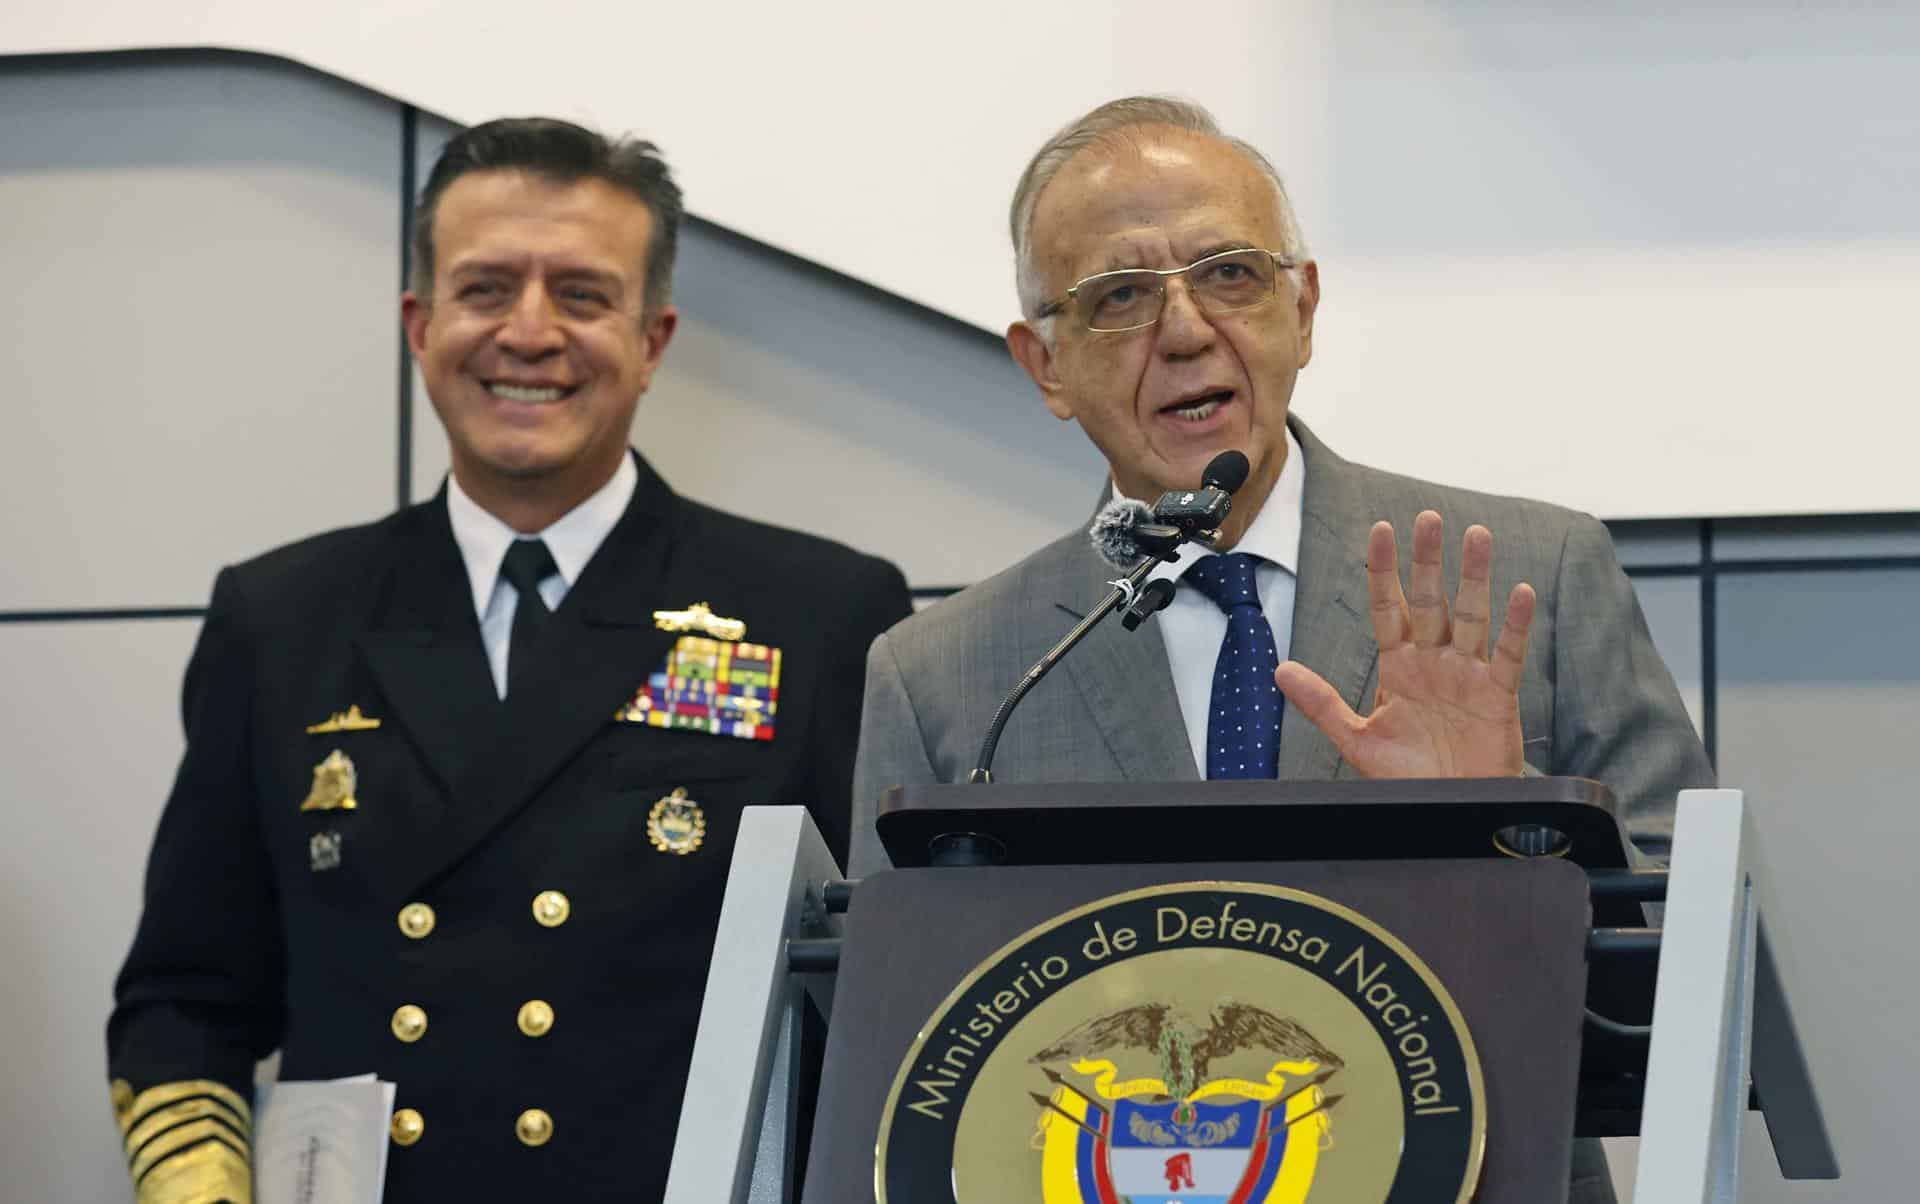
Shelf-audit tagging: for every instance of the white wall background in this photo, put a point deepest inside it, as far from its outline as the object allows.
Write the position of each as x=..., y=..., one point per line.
x=204, y=259
x=1644, y=259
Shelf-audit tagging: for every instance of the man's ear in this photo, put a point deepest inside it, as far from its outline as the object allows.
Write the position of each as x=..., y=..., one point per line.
x=1030, y=350
x=1306, y=305
x=413, y=319
x=656, y=331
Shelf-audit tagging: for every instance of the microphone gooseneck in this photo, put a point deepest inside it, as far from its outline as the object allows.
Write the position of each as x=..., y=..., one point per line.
x=1121, y=591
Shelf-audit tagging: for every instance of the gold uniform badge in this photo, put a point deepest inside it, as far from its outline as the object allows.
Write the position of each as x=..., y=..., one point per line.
x=333, y=785
x=349, y=720
x=677, y=824
x=700, y=617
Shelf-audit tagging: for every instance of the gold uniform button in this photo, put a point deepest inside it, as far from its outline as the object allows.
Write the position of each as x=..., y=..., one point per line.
x=536, y=1017
x=416, y=920
x=408, y=1125
x=551, y=908
x=409, y=1023
x=534, y=1127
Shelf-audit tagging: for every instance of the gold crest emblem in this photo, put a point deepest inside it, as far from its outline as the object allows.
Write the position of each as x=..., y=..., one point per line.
x=676, y=824
x=333, y=785
x=700, y=617
x=349, y=720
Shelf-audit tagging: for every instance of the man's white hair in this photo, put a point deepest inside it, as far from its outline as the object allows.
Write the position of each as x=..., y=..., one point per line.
x=1107, y=123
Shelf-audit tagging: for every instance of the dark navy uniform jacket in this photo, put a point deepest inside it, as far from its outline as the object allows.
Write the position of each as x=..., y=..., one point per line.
x=498, y=855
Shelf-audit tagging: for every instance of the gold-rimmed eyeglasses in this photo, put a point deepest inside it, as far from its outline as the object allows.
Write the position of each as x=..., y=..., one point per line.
x=1134, y=298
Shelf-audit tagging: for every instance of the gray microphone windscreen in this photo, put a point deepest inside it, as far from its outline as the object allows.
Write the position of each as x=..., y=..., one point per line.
x=1112, y=531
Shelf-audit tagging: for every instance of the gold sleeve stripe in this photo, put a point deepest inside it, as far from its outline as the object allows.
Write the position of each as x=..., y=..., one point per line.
x=175, y=1115
x=176, y=1141
x=208, y=1173
x=154, y=1098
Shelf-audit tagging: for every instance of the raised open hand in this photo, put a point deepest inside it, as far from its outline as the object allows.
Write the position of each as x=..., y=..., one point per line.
x=1444, y=708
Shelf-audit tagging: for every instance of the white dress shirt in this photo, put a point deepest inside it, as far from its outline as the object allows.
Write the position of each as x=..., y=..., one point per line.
x=572, y=539
x=1193, y=627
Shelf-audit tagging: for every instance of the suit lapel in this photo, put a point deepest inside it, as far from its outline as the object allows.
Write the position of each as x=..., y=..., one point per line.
x=424, y=651
x=1331, y=631
x=1143, y=727
x=599, y=646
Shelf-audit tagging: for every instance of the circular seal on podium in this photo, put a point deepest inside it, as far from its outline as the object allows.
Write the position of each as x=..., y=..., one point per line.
x=1199, y=1043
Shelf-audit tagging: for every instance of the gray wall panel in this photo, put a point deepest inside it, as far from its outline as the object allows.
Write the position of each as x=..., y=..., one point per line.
x=428, y=462
x=90, y=745
x=1819, y=696
x=1672, y=606
x=1826, y=538
x=201, y=261
x=1638, y=544
x=902, y=433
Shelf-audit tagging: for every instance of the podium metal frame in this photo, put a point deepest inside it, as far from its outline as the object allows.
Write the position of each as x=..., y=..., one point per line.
x=737, y=1132
x=1723, y=1034
x=1721, y=1020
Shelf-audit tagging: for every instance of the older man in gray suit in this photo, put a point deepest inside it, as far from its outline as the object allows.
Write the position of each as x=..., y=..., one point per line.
x=1168, y=301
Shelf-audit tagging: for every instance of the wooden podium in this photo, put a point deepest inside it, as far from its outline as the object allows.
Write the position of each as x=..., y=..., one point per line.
x=1495, y=885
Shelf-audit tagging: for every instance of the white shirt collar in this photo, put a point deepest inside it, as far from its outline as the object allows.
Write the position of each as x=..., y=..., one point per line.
x=573, y=538
x=1274, y=534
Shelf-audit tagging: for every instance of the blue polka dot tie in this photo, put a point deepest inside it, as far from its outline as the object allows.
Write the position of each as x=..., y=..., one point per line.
x=1243, y=723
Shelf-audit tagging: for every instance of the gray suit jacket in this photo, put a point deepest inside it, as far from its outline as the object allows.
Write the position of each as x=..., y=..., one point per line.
x=1596, y=700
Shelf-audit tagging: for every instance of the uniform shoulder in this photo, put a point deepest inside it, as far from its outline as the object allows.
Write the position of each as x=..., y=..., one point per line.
x=321, y=566
x=777, y=550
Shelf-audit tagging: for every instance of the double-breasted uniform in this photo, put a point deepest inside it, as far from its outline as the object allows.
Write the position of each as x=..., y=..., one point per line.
x=492, y=924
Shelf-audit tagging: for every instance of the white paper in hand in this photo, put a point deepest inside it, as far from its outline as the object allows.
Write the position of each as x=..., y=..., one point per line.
x=321, y=1143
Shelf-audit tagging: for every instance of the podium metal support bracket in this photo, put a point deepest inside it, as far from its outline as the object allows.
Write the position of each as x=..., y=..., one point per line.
x=741, y=1093
x=1714, y=1022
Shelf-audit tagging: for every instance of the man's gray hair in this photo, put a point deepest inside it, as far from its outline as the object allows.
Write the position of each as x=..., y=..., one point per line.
x=1108, y=123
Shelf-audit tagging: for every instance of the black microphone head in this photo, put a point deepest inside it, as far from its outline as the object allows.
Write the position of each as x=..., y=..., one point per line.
x=1112, y=531
x=1226, y=471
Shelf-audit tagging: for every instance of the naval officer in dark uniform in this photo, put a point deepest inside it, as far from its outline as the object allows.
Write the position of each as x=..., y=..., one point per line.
x=461, y=786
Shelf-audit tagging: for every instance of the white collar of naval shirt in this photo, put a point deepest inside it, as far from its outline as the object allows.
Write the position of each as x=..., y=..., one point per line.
x=1192, y=627
x=572, y=539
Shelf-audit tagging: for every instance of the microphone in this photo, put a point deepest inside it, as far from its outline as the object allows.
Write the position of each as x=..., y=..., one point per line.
x=1226, y=471
x=1124, y=531
x=1152, y=598
x=1121, y=538
x=1198, y=513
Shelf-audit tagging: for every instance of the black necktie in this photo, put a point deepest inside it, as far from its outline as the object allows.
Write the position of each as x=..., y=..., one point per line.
x=527, y=564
